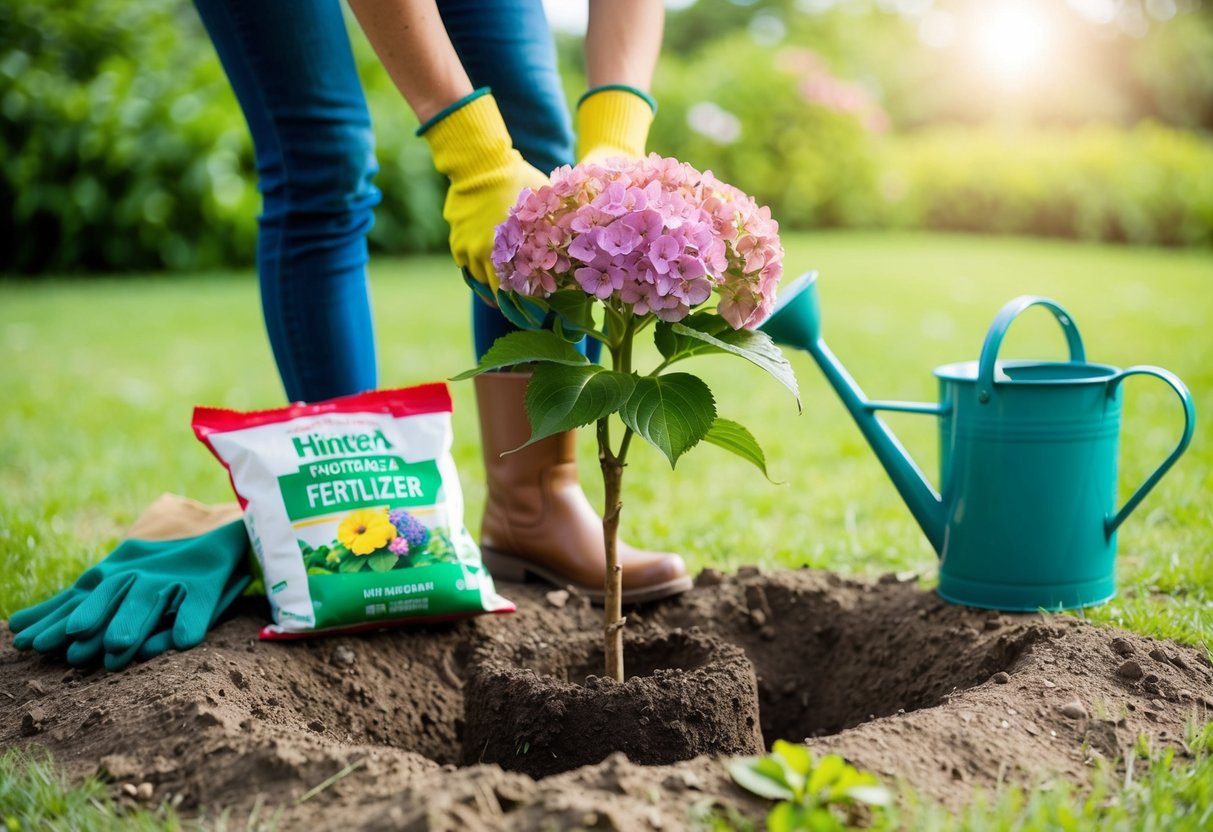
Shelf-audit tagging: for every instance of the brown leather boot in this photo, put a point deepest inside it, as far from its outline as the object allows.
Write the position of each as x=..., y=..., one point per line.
x=537, y=519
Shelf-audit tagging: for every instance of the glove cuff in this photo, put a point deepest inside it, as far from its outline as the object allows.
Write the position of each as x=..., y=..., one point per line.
x=614, y=116
x=626, y=88
x=468, y=137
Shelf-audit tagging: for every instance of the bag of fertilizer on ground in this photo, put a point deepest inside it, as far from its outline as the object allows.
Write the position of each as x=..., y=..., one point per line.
x=354, y=510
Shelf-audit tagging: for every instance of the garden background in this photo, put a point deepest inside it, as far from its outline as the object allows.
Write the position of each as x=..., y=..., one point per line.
x=122, y=146
x=877, y=132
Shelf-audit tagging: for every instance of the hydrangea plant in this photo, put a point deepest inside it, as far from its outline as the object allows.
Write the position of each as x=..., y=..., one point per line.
x=609, y=251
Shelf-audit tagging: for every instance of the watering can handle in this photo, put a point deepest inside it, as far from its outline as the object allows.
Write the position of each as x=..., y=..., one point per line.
x=998, y=329
x=1185, y=397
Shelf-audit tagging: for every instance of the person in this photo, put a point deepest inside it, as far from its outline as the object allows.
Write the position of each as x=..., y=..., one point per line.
x=481, y=78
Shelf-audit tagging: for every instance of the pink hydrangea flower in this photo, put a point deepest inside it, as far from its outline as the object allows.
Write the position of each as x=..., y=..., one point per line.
x=653, y=235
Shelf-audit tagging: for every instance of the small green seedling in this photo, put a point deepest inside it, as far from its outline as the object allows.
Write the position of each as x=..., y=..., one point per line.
x=811, y=792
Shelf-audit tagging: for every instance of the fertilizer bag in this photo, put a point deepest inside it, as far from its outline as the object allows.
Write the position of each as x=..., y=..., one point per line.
x=354, y=510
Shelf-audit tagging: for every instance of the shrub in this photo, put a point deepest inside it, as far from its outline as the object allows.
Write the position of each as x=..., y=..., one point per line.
x=122, y=146
x=1146, y=185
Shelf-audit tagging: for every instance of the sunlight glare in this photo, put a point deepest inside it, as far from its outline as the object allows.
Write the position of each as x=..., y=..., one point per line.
x=1013, y=41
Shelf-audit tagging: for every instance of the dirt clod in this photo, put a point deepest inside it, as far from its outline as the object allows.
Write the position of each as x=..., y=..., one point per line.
x=883, y=673
x=1130, y=670
x=343, y=656
x=1000, y=678
x=144, y=791
x=1073, y=710
x=32, y=721
x=558, y=598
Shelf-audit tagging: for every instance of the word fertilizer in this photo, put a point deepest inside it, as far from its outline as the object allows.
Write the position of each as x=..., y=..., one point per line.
x=354, y=510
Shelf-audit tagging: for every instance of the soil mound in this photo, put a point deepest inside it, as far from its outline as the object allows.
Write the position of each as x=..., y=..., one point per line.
x=899, y=682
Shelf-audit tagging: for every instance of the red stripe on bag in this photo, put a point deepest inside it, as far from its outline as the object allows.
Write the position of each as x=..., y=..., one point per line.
x=434, y=397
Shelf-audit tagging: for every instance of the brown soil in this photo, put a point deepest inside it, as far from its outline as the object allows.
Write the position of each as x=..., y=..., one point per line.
x=947, y=698
x=540, y=706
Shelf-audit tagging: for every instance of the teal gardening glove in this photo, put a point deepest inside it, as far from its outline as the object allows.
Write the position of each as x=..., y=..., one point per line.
x=146, y=596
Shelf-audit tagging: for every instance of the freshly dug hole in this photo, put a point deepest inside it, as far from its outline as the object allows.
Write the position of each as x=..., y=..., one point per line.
x=537, y=706
x=829, y=658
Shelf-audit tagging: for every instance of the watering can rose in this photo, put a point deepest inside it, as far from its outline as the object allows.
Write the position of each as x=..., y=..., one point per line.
x=654, y=234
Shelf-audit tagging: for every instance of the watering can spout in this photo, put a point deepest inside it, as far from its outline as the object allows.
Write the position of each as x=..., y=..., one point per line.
x=796, y=322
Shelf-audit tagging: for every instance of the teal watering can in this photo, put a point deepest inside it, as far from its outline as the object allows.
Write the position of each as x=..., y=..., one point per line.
x=1026, y=515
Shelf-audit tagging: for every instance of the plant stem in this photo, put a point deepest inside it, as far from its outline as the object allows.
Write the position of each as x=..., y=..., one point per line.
x=612, y=480
x=613, y=621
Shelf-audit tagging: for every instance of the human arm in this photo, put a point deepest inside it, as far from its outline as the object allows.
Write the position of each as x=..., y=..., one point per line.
x=623, y=41
x=622, y=44
x=413, y=46
x=464, y=128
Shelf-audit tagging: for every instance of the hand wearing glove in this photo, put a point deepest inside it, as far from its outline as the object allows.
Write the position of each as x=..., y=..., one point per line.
x=183, y=560
x=613, y=120
x=472, y=147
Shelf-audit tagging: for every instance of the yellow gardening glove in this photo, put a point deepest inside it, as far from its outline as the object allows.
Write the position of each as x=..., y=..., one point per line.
x=472, y=147
x=613, y=120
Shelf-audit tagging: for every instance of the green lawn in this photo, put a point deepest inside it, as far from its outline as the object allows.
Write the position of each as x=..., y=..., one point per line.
x=101, y=374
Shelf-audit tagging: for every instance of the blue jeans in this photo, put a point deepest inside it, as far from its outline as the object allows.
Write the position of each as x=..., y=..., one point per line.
x=292, y=69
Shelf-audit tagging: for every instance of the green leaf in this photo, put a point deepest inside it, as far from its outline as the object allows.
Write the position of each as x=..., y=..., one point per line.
x=481, y=289
x=560, y=397
x=382, y=562
x=522, y=311
x=755, y=347
x=795, y=761
x=797, y=756
x=825, y=774
x=675, y=347
x=760, y=775
x=316, y=570
x=524, y=348
x=792, y=817
x=354, y=564
x=673, y=412
x=871, y=795
x=574, y=309
x=727, y=434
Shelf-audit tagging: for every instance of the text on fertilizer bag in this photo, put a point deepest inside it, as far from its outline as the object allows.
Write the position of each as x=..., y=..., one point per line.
x=320, y=488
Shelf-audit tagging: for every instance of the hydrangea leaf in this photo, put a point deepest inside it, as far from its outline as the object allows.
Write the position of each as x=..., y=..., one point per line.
x=523, y=312
x=382, y=562
x=675, y=347
x=733, y=437
x=482, y=290
x=756, y=347
x=672, y=412
x=574, y=308
x=524, y=348
x=561, y=397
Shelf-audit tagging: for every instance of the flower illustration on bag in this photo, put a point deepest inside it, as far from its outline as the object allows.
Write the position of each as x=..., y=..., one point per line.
x=379, y=540
x=366, y=530
x=411, y=530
